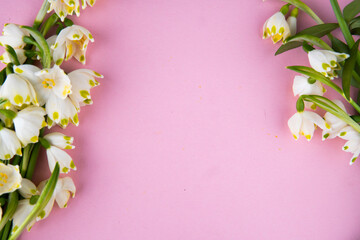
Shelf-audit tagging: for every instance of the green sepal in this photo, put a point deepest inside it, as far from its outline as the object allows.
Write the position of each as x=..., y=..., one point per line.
x=300, y=106
x=348, y=69
x=44, y=198
x=316, y=31
x=68, y=22
x=351, y=10
x=43, y=46
x=45, y=143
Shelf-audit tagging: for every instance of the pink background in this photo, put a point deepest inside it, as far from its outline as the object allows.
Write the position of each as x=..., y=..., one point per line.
x=187, y=138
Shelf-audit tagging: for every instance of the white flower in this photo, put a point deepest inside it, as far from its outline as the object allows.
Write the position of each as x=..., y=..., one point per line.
x=60, y=140
x=353, y=142
x=90, y=2
x=28, y=123
x=64, y=7
x=276, y=27
x=22, y=211
x=64, y=187
x=54, y=143
x=335, y=123
x=9, y=144
x=82, y=80
x=10, y=178
x=53, y=87
x=303, y=86
x=13, y=36
x=326, y=62
x=303, y=123
x=72, y=41
x=18, y=90
x=292, y=24
x=28, y=188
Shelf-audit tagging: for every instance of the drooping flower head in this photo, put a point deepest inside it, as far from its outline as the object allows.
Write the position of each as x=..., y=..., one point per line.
x=13, y=36
x=276, y=27
x=71, y=42
x=10, y=178
x=64, y=7
x=326, y=62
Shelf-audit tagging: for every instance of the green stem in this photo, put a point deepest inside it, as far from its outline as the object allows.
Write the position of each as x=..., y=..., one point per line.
x=51, y=21
x=33, y=160
x=6, y=231
x=342, y=23
x=26, y=157
x=41, y=14
x=10, y=209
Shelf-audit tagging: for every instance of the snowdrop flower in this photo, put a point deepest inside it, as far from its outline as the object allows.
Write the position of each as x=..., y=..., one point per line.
x=28, y=123
x=90, y=2
x=71, y=41
x=6, y=119
x=64, y=7
x=276, y=27
x=303, y=123
x=64, y=188
x=56, y=154
x=28, y=188
x=82, y=80
x=335, y=123
x=292, y=24
x=353, y=142
x=326, y=62
x=22, y=211
x=9, y=144
x=18, y=90
x=13, y=36
x=10, y=178
x=53, y=87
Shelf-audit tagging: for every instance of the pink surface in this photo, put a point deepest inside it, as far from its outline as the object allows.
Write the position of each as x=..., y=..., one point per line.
x=188, y=138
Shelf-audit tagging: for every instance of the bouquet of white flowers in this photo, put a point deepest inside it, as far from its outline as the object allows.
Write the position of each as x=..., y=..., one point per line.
x=35, y=93
x=333, y=63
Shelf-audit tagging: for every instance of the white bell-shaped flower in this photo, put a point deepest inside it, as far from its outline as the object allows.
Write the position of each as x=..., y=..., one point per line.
x=303, y=123
x=276, y=27
x=28, y=123
x=60, y=140
x=10, y=178
x=13, y=36
x=20, y=53
x=28, y=188
x=71, y=42
x=326, y=62
x=353, y=142
x=18, y=90
x=9, y=144
x=64, y=188
x=22, y=211
x=335, y=123
x=82, y=80
x=304, y=86
x=292, y=24
x=63, y=8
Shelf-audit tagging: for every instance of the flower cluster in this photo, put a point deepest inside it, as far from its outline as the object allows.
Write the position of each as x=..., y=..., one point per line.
x=37, y=93
x=340, y=60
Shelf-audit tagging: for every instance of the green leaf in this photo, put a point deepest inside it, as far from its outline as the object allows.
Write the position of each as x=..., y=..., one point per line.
x=41, y=203
x=339, y=46
x=10, y=209
x=348, y=69
x=299, y=4
x=8, y=113
x=318, y=76
x=316, y=31
x=43, y=46
x=310, y=39
x=351, y=10
x=12, y=54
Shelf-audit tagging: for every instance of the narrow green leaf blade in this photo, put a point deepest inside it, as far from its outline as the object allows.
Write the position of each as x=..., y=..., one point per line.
x=351, y=10
x=299, y=4
x=348, y=69
x=316, y=31
x=310, y=39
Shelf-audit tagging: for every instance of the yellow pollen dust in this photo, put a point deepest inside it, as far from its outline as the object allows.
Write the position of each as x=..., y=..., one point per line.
x=48, y=83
